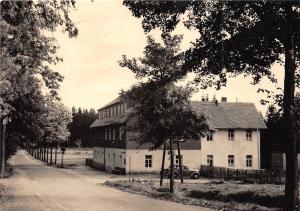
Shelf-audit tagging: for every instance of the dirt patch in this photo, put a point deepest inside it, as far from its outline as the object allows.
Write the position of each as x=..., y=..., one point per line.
x=220, y=196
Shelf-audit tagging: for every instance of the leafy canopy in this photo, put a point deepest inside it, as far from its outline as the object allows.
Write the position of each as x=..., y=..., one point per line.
x=244, y=37
x=163, y=110
x=163, y=113
x=27, y=49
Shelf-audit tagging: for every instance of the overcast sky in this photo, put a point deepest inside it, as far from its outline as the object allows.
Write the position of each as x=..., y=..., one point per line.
x=107, y=30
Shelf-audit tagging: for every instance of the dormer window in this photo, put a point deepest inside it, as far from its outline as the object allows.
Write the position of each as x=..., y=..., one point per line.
x=249, y=135
x=117, y=110
x=230, y=135
x=209, y=137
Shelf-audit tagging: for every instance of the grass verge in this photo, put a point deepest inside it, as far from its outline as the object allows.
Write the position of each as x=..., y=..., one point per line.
x=221, y=196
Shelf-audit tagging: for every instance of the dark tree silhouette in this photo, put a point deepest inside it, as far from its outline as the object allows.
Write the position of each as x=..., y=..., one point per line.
x=80, y=127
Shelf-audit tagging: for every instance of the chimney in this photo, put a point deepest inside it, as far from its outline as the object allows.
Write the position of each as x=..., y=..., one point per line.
x=224, y=99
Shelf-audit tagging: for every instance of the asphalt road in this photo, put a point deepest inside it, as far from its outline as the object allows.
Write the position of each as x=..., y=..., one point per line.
x=35, y=186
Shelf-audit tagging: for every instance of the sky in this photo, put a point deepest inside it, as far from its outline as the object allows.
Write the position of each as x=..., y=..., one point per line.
x=107, y=30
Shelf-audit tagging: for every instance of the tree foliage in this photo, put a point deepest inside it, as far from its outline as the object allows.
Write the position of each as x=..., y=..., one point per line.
x=80, y=126
x=162, y=62
x=56, y=119
x=27, y=49
x=234, y=37
x=164, y=113
x=163, y=109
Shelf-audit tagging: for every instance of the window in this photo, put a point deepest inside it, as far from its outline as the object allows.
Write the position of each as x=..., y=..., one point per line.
x=120, y=110
x=117, y=133
x=230, y=160
x=231, y=135
x=113, y=134
x=249, y=135
x=210, y=160
x=109, y=134
x=177, y=160
x=209, y=137
x=106, y=134
x=124, y=161
x=124, y=110
x=148, y=161
x=248, y=160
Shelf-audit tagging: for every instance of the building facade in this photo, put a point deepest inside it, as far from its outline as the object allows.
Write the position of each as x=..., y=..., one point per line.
x=234, y=142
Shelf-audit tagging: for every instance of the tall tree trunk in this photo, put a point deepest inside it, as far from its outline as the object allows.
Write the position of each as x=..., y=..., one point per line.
x=180, y=161
x=55, y=157
x=51, y=155
x=44, y=158
x=42, y=154
x=47, y=154
x=291, y=185
x=172, y=167
x=162, y=165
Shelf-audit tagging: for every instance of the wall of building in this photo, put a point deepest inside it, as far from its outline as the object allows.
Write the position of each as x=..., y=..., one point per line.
x=113, y=158
x=220, y=147
x=136, y=160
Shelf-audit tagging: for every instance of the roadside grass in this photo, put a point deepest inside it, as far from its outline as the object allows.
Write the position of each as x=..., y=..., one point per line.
x=217, y=195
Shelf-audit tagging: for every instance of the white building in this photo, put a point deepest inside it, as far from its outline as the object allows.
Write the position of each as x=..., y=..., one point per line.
x=235, y=142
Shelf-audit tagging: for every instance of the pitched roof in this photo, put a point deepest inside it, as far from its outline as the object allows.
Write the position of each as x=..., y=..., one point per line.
x=117, y=100
x=225, y=115
x=109, y=121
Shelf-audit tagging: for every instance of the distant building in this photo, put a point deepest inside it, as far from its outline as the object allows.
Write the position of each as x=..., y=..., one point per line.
x=234, y=144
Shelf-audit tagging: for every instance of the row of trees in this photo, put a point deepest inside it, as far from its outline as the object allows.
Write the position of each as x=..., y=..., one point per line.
x=29, y=103
x=80, y=127
x=235, y=38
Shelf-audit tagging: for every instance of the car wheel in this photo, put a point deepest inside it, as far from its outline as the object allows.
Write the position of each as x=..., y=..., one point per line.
x=195, y=176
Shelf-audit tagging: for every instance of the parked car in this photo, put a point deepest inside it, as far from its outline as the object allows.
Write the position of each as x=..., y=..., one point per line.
x=186, y=172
